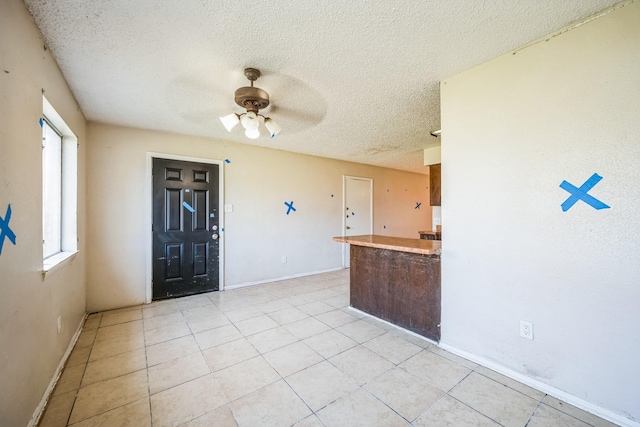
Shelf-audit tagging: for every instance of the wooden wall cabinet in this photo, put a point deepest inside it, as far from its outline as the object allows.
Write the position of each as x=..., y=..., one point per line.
x=434, y=184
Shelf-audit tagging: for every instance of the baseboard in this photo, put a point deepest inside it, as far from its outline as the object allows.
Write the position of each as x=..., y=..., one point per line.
x=278, y=279
x=545, y=388
x=37, y=414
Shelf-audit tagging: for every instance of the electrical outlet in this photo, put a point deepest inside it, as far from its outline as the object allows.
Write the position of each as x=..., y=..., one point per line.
x=526, y=330
x=284, y=259
x=59, y=324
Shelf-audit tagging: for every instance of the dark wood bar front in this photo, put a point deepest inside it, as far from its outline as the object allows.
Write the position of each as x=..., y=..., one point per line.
x=397, y=280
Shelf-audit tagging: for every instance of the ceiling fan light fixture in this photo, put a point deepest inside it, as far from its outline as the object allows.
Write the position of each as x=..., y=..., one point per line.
x=252, y=99
x=230, y=121
x=272, y=126
x=250, y=121
x=252, y=133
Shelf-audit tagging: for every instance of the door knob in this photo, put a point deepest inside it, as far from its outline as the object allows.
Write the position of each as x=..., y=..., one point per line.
x=348, y=228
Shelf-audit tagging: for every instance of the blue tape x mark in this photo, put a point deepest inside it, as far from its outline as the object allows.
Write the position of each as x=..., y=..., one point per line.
x=418, y=205
x=581, y=194
x=290, y=207
x=188, y=206
x=5, y=231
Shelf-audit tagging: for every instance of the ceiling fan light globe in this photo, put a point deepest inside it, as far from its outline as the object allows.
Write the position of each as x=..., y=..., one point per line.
x=252, y=133
x=250, y=121
x=272, y=127
x=230, y=121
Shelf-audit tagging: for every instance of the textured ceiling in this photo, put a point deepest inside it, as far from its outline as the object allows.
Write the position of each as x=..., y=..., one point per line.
x=352, y=80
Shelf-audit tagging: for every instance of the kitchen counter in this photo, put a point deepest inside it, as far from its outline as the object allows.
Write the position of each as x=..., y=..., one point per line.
x=398, y=280
x=401, y=244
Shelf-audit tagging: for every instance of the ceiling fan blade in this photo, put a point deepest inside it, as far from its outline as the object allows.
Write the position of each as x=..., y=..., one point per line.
x=310, y=118
x=296, y=105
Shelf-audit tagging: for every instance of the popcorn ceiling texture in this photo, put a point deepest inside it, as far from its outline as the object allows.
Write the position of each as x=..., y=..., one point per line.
x=356, y=81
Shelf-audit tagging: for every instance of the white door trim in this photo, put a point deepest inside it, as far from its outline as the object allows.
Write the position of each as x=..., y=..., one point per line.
x=344, y=207
x=149, y=213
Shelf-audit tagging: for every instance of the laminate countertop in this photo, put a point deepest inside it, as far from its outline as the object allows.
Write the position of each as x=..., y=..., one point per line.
x=400, y=244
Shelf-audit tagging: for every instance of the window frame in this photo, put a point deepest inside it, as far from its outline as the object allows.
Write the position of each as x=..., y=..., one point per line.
x=68, y=189
x=58, y=177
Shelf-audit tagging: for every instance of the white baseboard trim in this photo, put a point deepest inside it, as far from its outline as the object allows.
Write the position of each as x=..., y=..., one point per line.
x=278, y=279
x=543, y=387
x=37, y=414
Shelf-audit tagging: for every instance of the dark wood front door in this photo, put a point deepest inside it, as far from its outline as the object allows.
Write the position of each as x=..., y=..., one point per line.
x=186, y=244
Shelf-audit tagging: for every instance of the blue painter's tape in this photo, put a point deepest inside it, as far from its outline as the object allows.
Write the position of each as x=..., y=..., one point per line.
x=5, y=231
x=581, y=194
x=41, y=121
x=227, y=161
x=222, y=229
x=418, y=205
x=353, y=214
x=290, y=207
x=188, y=206
x=212, y=215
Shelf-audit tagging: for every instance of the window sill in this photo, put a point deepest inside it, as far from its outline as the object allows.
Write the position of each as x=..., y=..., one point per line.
x=53, y=262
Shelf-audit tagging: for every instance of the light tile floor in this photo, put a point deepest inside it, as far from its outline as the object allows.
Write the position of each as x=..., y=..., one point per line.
x=281, y=354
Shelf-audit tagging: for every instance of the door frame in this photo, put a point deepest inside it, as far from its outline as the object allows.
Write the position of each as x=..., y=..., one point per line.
x=148, y=220
x=344, y=207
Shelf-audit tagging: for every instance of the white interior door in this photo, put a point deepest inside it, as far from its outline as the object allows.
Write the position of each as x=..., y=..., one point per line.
x=358, y=210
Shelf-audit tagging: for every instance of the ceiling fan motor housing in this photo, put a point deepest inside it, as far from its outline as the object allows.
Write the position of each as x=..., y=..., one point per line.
x=252, y=98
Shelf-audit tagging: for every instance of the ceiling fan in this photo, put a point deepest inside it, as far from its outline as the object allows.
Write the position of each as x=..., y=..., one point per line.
x=253, y=99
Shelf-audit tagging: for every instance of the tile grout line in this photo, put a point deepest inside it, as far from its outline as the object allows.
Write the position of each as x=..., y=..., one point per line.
x=77, y=391
x=533, y=413
x=474, y=409
x=146, y=362
x=118, y=376
x=211, y=371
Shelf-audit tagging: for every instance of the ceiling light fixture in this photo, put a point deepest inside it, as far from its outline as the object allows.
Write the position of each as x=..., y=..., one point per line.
x=253, y=99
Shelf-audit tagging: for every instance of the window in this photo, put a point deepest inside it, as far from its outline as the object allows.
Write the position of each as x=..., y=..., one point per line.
x=51, y=189
x=59, y=189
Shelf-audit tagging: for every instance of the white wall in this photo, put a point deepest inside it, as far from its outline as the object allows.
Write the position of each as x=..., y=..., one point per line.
x=30, y=348
x=257, y=233
x=513, y=130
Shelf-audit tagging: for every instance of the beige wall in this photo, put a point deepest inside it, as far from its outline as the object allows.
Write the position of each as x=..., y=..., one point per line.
x=30, y=347
x=258, y=233
x=513, y=129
